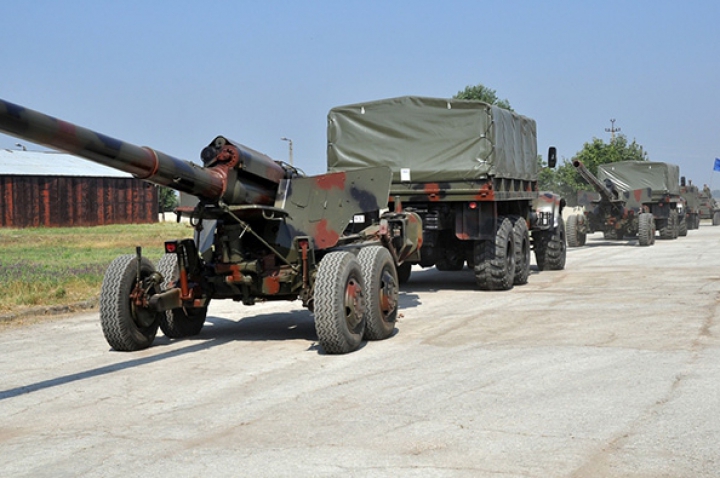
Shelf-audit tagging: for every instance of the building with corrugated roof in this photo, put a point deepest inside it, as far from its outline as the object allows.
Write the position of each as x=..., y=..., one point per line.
x=52, y=189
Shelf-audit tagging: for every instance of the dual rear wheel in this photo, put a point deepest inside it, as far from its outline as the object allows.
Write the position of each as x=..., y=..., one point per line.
x=355, y=298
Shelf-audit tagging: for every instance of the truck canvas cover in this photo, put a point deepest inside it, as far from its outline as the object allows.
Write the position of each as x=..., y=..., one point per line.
x=662, y=178
x=430, y=140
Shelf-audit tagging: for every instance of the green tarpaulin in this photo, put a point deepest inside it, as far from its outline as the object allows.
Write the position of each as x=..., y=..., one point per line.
x=429, y=140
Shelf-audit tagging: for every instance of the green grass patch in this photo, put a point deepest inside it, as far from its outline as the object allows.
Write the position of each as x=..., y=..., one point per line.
x=63, y=266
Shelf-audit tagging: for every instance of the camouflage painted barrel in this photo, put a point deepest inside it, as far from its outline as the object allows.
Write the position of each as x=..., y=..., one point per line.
x=234, y=173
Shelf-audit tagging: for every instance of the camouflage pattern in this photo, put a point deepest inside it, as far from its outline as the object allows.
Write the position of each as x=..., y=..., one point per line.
x=615, y=212
x=262, y=232
x=218, y=180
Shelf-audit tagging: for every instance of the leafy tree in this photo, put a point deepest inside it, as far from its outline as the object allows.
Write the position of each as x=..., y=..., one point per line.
x=482, y=93
x=167, y=198
x=567, y=181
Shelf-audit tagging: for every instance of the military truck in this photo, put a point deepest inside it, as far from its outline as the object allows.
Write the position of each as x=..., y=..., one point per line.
x=709, y=207
x=263, y=231
x=663, y=181
x=470, y=170
x=608, y=209
x=691, y=197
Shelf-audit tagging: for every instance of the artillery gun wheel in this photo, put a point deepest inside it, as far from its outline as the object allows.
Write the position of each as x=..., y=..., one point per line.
x=550, y=248
x=180, y=322
x=575, y=238
x=522, y=250
x=126, y=326
x=495, y=260
x=381, y=285
x=646, y=229
x=339, y=303
x=403, y=272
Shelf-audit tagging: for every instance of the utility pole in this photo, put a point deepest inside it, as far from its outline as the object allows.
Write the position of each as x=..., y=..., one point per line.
x=612, y=129
x=289, y=149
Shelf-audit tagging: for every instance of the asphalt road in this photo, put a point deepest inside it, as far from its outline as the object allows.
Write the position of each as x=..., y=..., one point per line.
x=610, y=368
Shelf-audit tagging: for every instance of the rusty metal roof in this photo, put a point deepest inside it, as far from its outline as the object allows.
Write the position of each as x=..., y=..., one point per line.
x=41, y=163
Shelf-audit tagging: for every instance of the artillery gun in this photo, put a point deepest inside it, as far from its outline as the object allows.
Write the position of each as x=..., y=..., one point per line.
x=709, y=207
x=262, y=231
x=662, y=183
x=615, y=212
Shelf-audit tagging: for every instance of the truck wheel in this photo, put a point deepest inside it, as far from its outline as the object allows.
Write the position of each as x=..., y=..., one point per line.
x=403, y=272
x=522, y=250
x=646, y=229
x=716, y=219
x=126, y=326
x=381, y=286
x=550, y=248
x=669, y=227
x=676, y=220
x=575, y=238
x=683, y=226
x=339, y=303
x=180, y=322
x=495, y=260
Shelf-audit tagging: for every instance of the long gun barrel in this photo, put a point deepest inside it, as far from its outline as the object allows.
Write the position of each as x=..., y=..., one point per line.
x=233, y=173
x=606, y=194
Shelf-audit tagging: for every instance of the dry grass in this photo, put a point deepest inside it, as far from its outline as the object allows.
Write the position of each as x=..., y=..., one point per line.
x=64, y=266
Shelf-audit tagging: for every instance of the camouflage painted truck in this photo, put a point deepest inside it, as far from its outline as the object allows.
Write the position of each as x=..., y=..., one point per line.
x=663, y=182
x=708, y=208
x=691, y=196
x=470, y=170
x=615, y=212
x=262, y=232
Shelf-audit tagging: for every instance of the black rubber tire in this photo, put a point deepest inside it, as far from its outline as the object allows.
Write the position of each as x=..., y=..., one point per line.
x=669, y=229
x=575, y=238
x=381, y=286
x=339, y=303
x=180, y=322
x=495, y=260
x=716, y=219
x=682, y=226
x=551, y=248
x=126, y=327
x=403, y=271
x=646, y=229
x=522, y=250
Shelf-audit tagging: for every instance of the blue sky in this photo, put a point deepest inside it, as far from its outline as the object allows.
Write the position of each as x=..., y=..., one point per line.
x=173, y=75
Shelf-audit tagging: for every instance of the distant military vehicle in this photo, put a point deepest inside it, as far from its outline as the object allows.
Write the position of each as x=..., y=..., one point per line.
x=615, y=212
x=691, y=195
x=470, y=170
x=263, y=231
x=709, y=207
x=663, y=181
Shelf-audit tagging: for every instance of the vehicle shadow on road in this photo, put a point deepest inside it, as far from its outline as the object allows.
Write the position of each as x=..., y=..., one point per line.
x=280, y=326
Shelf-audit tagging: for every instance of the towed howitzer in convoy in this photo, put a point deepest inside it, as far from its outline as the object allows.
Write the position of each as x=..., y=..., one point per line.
x=660, y=181
x=263, y=231
x=614, y=212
